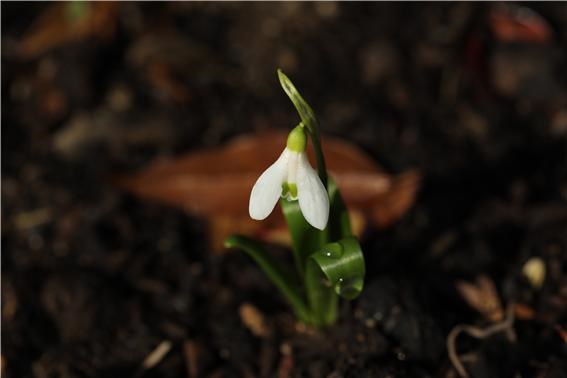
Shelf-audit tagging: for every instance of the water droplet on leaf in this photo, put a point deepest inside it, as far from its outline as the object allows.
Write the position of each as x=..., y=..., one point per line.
x=334, y=250
x=349, y=288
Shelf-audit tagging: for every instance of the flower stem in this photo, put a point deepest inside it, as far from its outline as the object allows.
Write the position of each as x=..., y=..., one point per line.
x=321, y=166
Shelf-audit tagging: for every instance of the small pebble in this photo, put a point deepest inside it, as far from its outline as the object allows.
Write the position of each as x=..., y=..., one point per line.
x=370, y=323
x=286, y=349
x=534, y=271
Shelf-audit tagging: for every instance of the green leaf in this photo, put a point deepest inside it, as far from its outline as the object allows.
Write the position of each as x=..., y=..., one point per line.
x=304, y=238
x=342, y=264
x=336, y=269
x=322, y=281
x=284, y=280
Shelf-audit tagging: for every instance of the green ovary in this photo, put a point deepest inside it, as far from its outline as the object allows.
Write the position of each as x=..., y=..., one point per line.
x=297, y=139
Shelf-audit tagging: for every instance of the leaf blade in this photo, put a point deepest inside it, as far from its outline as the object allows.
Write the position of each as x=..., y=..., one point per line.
x=282, y=279
x=342, y=263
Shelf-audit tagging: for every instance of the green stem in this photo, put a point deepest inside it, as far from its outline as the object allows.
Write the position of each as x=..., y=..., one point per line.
x=316, y=142
x=322, y=299
x=306, y=240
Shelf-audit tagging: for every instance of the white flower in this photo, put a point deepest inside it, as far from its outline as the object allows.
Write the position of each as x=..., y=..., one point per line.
x=291, y=177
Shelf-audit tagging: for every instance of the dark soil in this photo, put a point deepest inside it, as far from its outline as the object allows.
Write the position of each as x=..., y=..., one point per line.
x=94, y=279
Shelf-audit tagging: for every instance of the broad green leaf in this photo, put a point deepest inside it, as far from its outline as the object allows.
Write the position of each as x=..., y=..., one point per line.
x=323, y=301
x=342, y=264
x=284, y=280
x=325, y=278
x=335, y=268
x=304, y=238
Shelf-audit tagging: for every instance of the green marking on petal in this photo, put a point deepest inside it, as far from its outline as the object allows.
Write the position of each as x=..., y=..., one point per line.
x=289, y=191
x=285, y=189
x=293, y=190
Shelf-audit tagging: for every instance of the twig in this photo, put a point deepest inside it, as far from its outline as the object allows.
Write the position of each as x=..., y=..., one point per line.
x=479, y=333
x=191, y=355
x=157, y=355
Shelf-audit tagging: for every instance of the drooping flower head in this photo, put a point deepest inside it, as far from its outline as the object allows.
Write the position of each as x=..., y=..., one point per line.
x=291, y=177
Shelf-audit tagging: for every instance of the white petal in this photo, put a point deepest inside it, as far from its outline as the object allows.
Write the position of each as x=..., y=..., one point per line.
x=313, y=198
x=268, y=188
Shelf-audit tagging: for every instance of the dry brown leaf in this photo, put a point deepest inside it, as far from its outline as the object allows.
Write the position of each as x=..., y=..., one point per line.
x=254, y=320
x=515, y=23
x=216, y=183
x=287, y=362
x=55, y=27
x=524, y=312
x=483, y=297
x=162, y=78
x=562, y=332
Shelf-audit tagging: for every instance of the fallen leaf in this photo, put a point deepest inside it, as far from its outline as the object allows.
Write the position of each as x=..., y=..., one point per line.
x=105, y=127
x=163, y=80
x=31, y=219
x=515, y=23
x=67, y=22
x=287, y=362
x=524, y=312
x=562, y=332
x=215, y=183
x=254, y=320
x=483, y=297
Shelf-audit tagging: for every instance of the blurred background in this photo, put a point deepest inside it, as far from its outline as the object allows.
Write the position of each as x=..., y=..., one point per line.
x=99, y=282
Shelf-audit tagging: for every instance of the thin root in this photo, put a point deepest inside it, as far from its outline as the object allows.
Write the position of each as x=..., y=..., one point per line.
x=479, y=333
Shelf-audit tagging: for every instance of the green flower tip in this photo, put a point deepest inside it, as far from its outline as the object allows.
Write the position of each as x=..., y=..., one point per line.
x=297, y=139
x=281, y=75
x=287, y=85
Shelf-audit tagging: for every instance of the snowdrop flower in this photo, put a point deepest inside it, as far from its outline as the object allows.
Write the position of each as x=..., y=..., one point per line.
x=291, y=177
